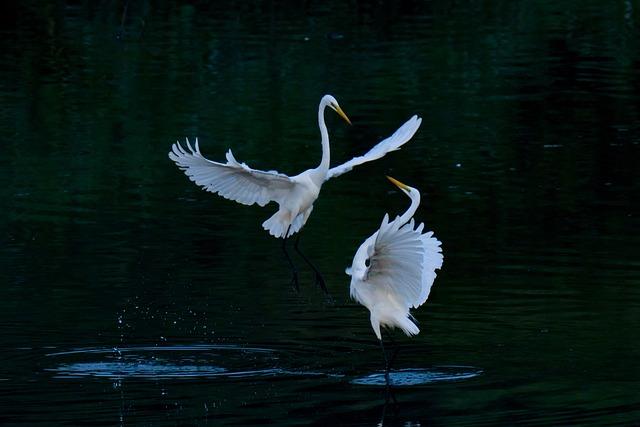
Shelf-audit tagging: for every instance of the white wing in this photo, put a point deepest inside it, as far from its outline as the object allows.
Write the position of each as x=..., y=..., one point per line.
x=232, y=180
x=394, y=142
x=404, y=261
x=431, y=261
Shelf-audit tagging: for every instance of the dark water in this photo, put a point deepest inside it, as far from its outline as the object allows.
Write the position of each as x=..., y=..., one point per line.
x=129, y=296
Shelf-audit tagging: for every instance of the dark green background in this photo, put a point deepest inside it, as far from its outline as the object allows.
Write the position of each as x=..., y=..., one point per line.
x=527, y=158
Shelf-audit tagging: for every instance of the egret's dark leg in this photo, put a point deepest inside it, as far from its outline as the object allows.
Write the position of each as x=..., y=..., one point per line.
x=386, y=363
x=294, y=270
x=396, y=347
x=388, y=390
x=319, y=279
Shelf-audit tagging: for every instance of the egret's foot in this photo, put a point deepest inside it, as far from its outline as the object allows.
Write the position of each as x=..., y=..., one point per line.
x=294, y=282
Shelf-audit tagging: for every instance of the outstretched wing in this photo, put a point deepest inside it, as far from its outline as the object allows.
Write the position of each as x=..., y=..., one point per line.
x=404, y=261
x=232, y=180
x=431, y=261
x=399, y=137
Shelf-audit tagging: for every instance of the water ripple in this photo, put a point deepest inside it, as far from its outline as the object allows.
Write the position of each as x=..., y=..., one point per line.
x=414, y=377
x=173, y=362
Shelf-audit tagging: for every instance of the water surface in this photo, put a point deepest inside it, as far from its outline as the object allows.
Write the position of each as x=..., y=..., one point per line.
x=130, y=296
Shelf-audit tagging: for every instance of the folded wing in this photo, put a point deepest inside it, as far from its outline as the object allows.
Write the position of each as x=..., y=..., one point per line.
x=399, y=137
x=404, y=261
x=232, y=180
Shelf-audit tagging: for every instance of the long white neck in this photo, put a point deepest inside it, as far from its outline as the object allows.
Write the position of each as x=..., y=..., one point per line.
x=326, y=157
x=415, y=202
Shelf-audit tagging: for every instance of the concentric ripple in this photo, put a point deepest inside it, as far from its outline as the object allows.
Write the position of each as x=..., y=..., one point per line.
x=172, y=362
x=414, y=377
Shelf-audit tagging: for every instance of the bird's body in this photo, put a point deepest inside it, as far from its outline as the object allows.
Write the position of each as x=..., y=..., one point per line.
x=393, y=269
x=295, y=195
x=296, y=207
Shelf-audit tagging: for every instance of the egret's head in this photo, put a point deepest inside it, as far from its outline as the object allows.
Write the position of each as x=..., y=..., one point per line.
x=404, y=187
x=331, y=102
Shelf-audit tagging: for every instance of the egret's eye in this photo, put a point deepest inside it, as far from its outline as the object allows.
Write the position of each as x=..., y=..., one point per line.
x=367, y=262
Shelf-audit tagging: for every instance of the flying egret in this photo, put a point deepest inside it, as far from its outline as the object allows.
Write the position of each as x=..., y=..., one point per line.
x=394, y=269
x=295, y=195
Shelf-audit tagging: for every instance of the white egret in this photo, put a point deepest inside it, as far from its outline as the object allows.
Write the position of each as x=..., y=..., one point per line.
x=394, y=269
x=295, y=195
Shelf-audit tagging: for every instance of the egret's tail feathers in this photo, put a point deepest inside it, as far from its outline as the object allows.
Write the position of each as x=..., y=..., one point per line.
x=408, y=326
x=395, y=320
x=279, y=223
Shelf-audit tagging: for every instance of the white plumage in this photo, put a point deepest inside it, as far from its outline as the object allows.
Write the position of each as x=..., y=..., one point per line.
x=295, y=195
x=392, y=143
x=394, y=269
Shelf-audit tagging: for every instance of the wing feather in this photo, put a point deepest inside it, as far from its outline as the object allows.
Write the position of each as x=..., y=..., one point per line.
x=232, y=180
x=404, y=260
x=392, y=143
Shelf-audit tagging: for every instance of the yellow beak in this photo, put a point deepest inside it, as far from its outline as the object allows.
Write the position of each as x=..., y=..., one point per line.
x=342, y=114
x=398, y=184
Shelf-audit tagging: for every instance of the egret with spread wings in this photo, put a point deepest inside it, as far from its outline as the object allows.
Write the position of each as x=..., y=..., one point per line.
x=394, y=269
x=295, y=195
